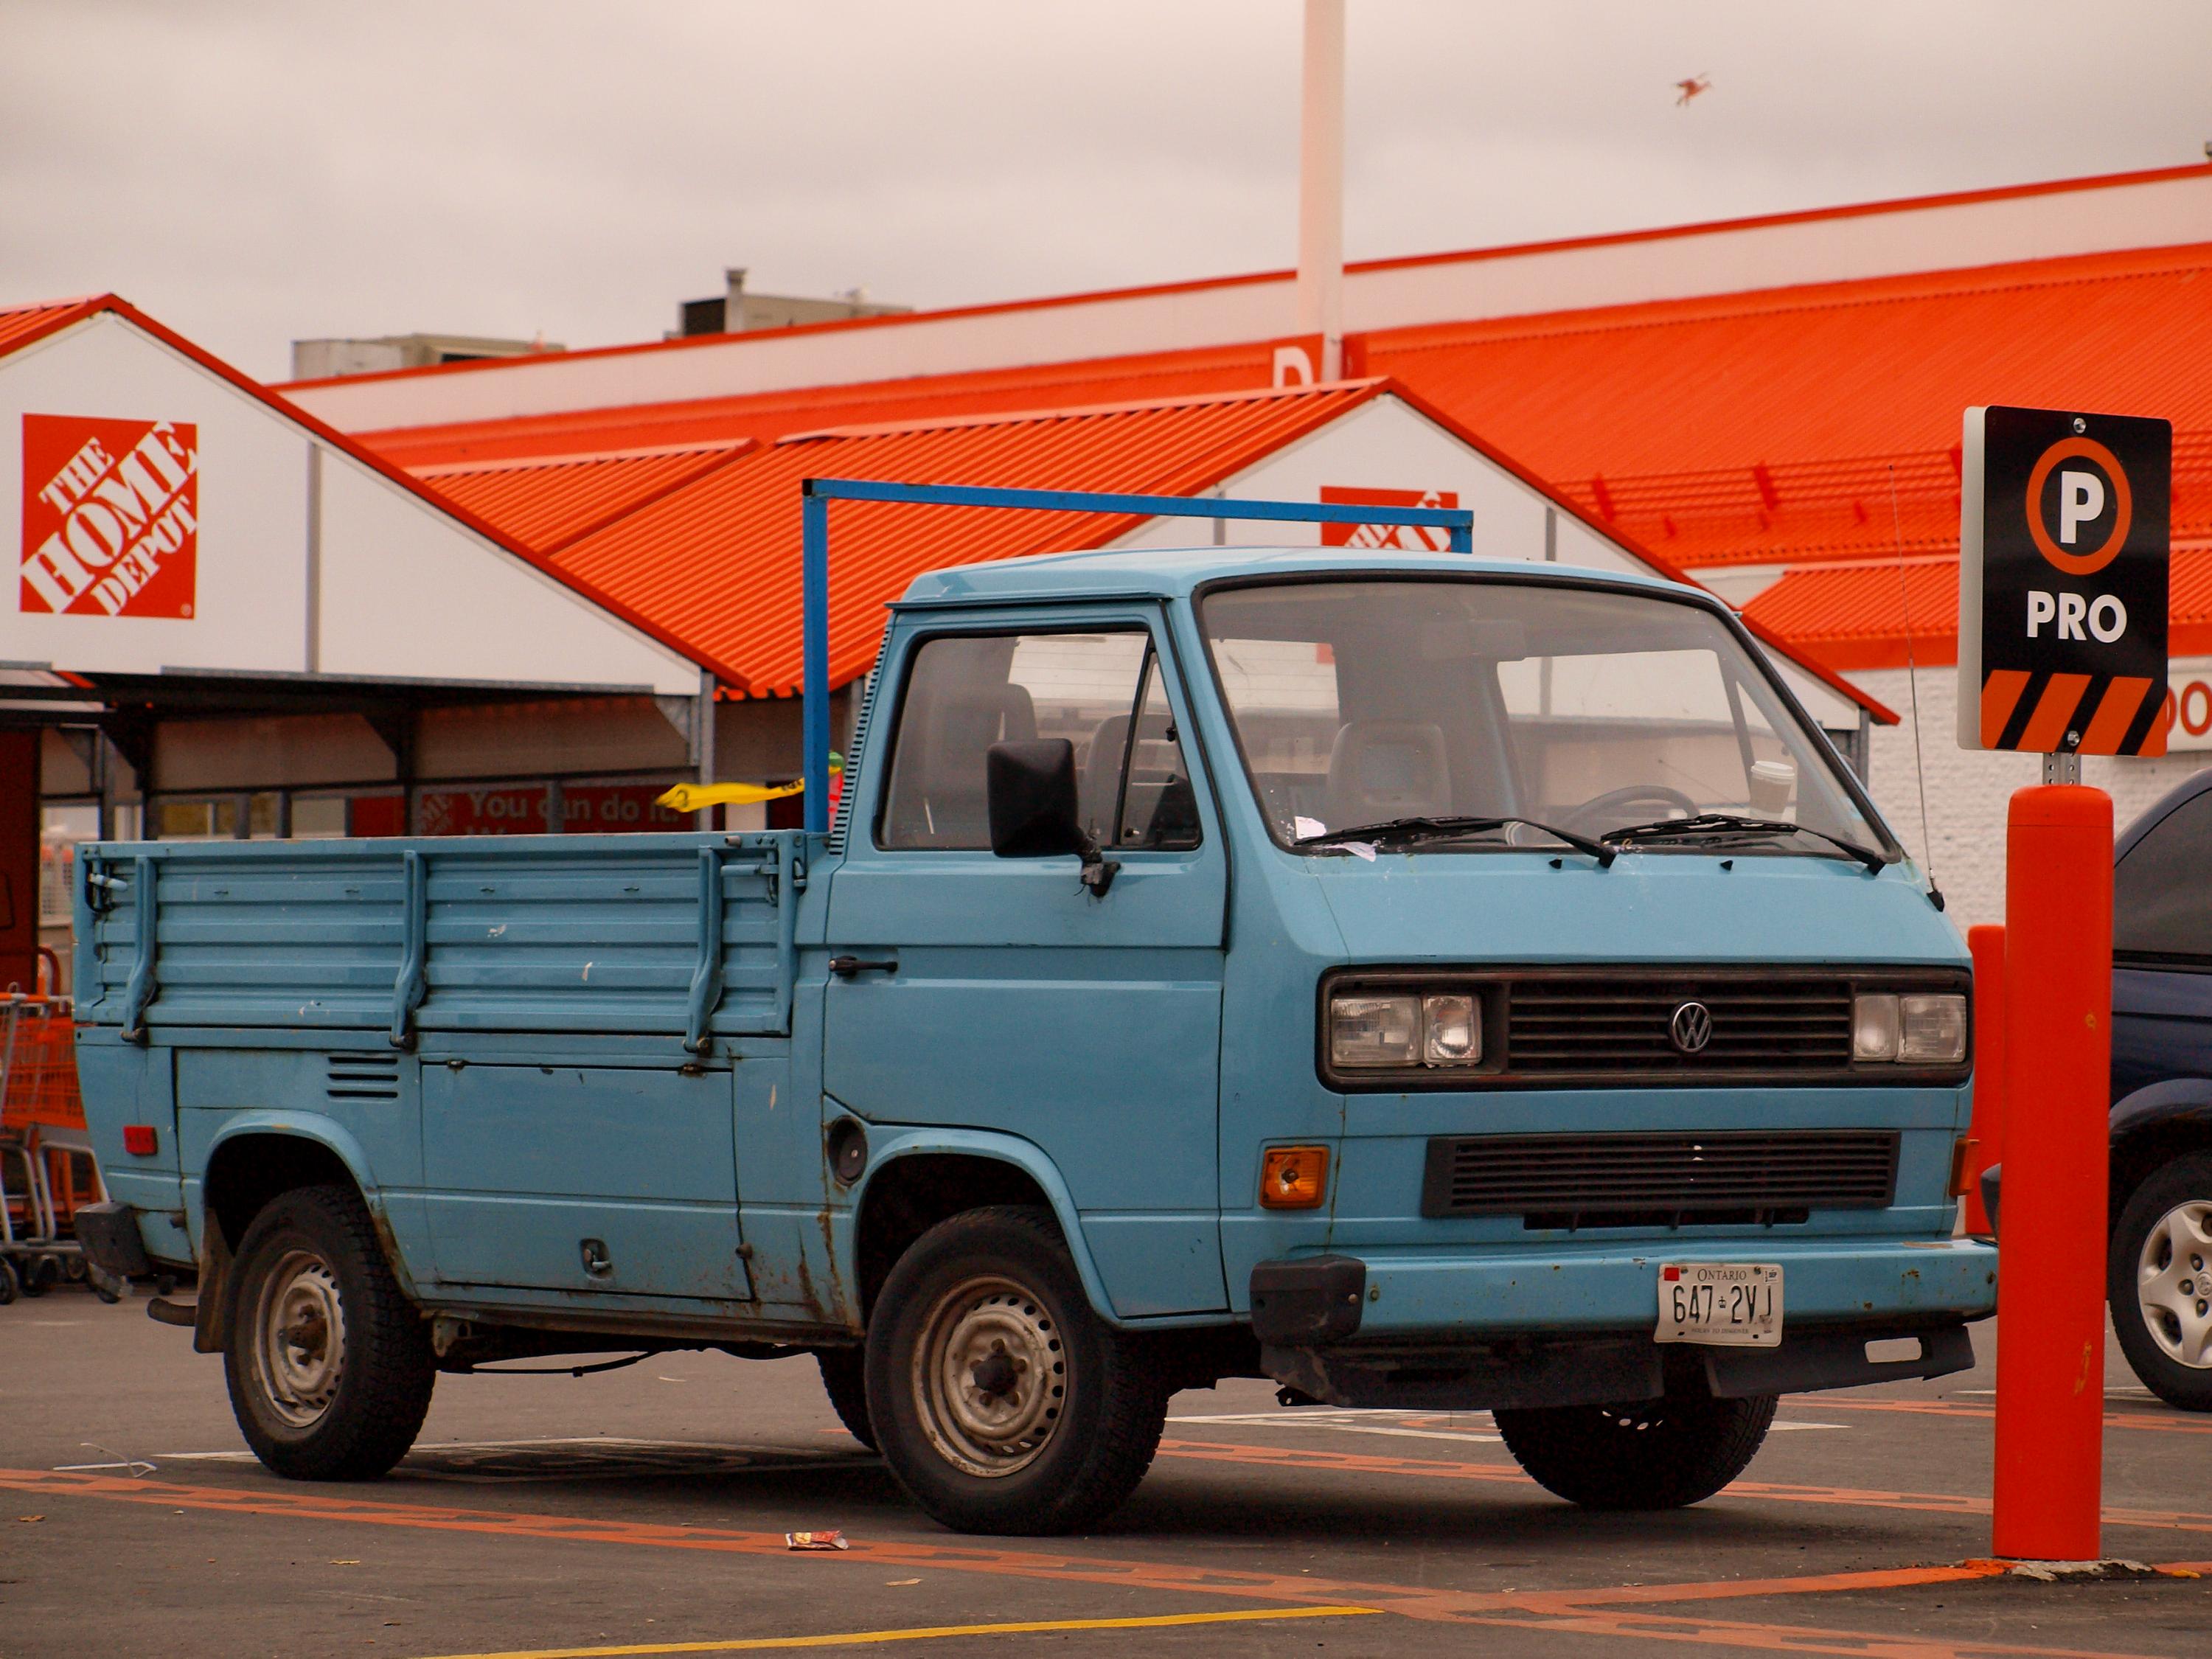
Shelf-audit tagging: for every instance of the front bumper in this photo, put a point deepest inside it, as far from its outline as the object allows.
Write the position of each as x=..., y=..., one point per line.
x=1420, y=1329
x=1413, y=1293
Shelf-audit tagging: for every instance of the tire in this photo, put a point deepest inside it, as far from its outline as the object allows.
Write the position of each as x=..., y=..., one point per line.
x=39, y=1274
x=10, y=1286
x=330, y=1366
x=845, y=1380
x=2164, y=1243
x=1655, y=1454
x=1065, y=1423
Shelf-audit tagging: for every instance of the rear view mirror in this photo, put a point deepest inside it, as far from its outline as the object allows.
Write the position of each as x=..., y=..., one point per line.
x=1455, y=639
x=1030, y=787
x=1030, y=790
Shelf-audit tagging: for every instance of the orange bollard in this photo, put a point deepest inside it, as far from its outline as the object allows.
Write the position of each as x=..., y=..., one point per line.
x=1987, y=944
x=2051, y=1338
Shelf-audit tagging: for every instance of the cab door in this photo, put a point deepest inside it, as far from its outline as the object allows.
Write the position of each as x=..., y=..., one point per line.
x=1001, y=995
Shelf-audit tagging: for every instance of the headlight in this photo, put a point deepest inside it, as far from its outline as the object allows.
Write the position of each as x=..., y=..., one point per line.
x=1874, y=1028
x=1932, y=1030
x=1451, y=1030
x=1438, y=1030
x=1366, y=1031
x=1919, y=1029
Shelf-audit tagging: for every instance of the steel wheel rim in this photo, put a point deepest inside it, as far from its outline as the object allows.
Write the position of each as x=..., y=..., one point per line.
x=2173, y=1284
x=990, y=1377
x=299, y=1338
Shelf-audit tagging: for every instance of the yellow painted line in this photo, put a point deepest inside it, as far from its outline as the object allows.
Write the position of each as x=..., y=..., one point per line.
x=924, y=1633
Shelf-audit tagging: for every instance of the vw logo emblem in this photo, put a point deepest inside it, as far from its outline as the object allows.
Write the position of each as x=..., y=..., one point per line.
x=1692, y=1028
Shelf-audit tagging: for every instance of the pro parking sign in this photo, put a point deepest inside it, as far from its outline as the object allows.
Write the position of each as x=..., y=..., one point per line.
x=2063, y=571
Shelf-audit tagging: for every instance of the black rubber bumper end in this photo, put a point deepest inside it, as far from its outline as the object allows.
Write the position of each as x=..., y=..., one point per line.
x=108, y=1235
x=1306, y=1303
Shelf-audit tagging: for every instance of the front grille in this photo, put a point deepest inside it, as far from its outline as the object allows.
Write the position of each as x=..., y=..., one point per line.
x=1592, y=1026
x=1659, y=1180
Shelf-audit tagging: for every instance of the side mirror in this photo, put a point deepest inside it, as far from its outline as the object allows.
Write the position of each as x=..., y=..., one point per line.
x=1030, y=790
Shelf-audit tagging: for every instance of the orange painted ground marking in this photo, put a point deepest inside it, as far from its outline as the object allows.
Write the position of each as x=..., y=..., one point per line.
x=1945, y=1408
x=1606, y=1611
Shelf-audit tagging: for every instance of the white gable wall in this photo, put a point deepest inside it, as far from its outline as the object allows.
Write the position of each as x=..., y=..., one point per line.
x=408, y=592
x=248, y=613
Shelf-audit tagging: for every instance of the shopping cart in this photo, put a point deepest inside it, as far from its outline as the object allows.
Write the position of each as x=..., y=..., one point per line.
x=46, y=1167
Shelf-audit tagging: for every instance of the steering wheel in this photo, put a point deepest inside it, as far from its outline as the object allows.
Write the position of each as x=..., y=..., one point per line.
x=1595, y=815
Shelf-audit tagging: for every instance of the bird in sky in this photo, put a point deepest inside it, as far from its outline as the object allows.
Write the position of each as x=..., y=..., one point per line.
x=1691, y=88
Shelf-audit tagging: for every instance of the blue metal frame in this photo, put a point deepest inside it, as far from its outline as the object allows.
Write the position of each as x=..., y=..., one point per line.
x=816, y=494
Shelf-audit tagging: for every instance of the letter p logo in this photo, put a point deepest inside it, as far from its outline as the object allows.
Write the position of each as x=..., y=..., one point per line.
x=2080, y=499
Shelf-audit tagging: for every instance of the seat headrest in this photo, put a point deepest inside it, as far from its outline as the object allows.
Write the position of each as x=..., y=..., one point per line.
x=1388, y=770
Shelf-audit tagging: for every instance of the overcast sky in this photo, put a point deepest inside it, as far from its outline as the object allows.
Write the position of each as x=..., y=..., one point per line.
x=251, y=172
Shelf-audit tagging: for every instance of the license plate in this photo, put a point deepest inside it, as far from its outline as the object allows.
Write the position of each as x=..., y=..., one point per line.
x=1721, y=1303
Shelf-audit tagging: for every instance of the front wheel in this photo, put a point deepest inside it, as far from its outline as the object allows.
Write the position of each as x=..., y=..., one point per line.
x=1004, y=1404
x=845, y=1380
x=329, y=1364
x=2161, y=1297
x=1656, y=1455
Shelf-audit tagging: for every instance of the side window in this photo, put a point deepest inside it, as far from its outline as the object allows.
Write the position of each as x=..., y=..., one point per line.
x=2161, y=903
x=1159, y=808
x=966, y=692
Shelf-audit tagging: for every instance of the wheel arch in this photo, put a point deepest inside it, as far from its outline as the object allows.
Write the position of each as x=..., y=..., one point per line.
x=2152, y=1127
x=254, y=1157
x=921, y=1177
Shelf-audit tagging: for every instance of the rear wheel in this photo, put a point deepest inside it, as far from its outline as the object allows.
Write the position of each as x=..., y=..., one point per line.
x=845, y=1380
x=2160, y=1293
x=10, y=1286
x=329, y=1364
x=1004, y=1403
x=1655, y=1454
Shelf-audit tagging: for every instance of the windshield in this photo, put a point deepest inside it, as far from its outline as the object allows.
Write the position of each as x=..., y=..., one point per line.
x=1363, y=704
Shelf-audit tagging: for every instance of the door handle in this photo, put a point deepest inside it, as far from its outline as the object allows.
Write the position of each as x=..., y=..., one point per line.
x=846, y=967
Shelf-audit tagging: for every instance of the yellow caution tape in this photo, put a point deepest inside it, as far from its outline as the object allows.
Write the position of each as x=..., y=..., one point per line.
x=697, y=797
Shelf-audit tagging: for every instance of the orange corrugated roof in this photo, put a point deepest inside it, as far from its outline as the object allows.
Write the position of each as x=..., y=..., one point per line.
x=1843, y=213
x=549, y=501
x=770, y=415
x=1762, y=426
x=1785, y=427
x=20, y=325
x=718, y=560
x=1852, y=615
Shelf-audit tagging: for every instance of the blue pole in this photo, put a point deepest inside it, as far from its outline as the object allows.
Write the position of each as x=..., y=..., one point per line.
x=1458, y=522
x=816, y=494
x=814, y=712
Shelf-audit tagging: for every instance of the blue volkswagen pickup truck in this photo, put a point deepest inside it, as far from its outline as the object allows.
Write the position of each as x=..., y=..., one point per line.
x=1424, y=981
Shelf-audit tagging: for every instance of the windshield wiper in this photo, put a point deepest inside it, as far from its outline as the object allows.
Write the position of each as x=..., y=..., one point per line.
x=1727, y=823
x=1446, y=828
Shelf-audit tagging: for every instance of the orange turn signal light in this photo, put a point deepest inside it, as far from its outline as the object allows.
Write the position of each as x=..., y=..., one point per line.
x=1962, y=1164
x=1294, y=1177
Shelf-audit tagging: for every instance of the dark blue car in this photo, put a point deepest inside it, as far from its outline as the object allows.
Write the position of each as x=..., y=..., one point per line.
x=2160, y=1249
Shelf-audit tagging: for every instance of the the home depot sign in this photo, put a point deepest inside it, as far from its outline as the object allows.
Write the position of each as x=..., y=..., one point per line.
x=111, y=516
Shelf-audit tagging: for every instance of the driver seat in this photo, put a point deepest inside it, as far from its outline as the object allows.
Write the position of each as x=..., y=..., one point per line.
x=1381, y=769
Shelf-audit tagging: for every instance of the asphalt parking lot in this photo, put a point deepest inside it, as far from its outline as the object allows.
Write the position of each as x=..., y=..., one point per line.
x=642, y=1512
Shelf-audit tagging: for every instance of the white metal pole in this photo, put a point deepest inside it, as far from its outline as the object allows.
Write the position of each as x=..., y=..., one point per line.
x=1321, y=185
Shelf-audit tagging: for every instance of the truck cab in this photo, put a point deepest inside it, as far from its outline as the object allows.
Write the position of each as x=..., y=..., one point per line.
x=1422, y=982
